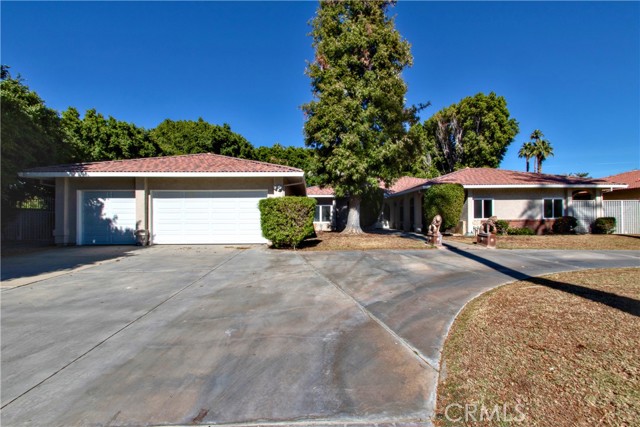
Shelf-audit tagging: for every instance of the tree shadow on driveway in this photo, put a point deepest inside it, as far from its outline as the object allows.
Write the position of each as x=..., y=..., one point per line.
x=622, y=303
x=59, y=260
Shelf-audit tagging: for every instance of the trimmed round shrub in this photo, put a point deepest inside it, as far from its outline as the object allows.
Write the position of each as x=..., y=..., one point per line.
x=564, y=225
x=445, y=200
x=522, y=231
x=287, y=221
x=604, y=225
x=502, y=226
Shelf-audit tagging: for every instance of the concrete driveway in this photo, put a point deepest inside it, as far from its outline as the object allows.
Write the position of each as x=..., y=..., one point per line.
x=212, y=335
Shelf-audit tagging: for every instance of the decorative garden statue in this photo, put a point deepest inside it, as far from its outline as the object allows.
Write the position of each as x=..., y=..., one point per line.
x=434, y=228
x=489, y=226
x=488, y=231
x=433, y=235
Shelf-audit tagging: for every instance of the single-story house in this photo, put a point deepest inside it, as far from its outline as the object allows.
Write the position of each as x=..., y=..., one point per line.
x=189, y=199
x=632, y=192
x=331, y=212
x=524, y=199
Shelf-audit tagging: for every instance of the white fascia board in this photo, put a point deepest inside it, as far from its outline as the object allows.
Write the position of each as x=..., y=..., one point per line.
x=323, y=196
x=471, y=187
x=160, y=174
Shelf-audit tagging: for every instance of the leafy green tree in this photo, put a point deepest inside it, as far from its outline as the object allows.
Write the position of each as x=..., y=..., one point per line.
x=541, y=148
x=96, y=138
x=475, y=132
x=192, y=137
x=296, y=157
x=357, y=122
x=30, y=137
x=526, y=151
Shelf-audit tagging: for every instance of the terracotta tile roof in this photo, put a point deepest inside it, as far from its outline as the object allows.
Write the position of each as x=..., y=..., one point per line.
x=631, y=178
x=406, y=183
x=205, y=162
x=490, y=176
x=494, y=177
x=318, y=191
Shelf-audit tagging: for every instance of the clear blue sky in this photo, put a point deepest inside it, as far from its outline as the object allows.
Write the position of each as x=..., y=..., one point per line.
x=570, y=69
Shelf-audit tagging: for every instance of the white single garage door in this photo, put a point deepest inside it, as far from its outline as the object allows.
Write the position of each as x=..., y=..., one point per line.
x=206, y=217
x=107, y=218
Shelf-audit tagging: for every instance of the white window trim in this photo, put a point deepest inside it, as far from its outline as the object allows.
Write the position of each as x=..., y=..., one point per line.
x=473, y=208
x=552, y=207
x=330, y=215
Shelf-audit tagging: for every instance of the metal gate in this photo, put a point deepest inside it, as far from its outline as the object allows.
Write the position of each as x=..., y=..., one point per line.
x=585, y=212
x=626, y=213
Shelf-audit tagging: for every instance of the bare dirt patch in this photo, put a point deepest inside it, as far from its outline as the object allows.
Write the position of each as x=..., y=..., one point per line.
x=579, y=242
x=333, y=241
x=566, y=347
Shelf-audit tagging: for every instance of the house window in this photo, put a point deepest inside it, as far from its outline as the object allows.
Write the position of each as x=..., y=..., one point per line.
x=482, y=208
x=553, y=208
x=323, y=213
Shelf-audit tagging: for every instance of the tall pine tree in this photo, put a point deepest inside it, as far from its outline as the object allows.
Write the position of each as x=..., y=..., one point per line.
x=358, y=122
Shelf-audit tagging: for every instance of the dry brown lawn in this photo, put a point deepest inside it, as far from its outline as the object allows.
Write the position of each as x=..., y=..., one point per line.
x=566, y=347
x=333, y=241
x=579, y=241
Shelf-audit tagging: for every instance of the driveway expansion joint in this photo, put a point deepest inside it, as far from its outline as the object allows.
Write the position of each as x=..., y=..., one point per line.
x=220, y=264
x=408, y=346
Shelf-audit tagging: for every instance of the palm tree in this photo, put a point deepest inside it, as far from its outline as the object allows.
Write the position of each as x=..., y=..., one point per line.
x=541, y=149
x=527, y=152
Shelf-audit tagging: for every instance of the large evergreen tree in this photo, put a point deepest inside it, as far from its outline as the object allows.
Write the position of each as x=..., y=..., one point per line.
x=358, y=122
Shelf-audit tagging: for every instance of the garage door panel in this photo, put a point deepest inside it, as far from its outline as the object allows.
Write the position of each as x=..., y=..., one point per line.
x=206, y=217
x=107, y=218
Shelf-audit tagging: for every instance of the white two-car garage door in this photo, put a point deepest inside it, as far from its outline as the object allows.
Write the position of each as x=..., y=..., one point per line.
x=206, y=217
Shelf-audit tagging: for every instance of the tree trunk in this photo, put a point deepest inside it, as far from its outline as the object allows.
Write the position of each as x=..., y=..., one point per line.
x=527, y=165
x=353, y=221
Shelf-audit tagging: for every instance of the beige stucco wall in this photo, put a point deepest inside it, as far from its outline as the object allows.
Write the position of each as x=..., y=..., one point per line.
x=517, y=203
x=632, y=194
x=67, y=195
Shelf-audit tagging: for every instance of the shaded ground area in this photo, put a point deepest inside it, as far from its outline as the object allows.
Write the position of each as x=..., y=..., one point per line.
x=51, y=261
x=575, y=242
x=371, y=240
x=565, y=346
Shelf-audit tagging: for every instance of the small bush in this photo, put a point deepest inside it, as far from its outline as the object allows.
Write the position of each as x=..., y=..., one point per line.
x=287, y=221
x=523, y=231
x=604, y=225
x=565, y=225
x=445, y=200
x=502, y=226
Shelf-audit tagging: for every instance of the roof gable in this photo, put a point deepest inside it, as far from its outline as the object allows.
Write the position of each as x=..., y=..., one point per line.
x=631, y=178
x=192, y=164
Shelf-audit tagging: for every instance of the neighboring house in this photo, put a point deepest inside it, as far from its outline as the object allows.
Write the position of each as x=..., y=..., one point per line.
x=523, y=199
x=190, y=199
x=632, y=192
x=331, y=211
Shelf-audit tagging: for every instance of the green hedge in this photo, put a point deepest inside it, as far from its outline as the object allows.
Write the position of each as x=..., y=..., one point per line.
x=287, y=221
x=520, y=231
x=502, y=226
x=445, y=200
x=604, y=225
x=565, y=225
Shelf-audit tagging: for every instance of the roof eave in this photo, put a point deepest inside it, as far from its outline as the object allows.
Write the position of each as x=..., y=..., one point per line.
x=159, y=174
